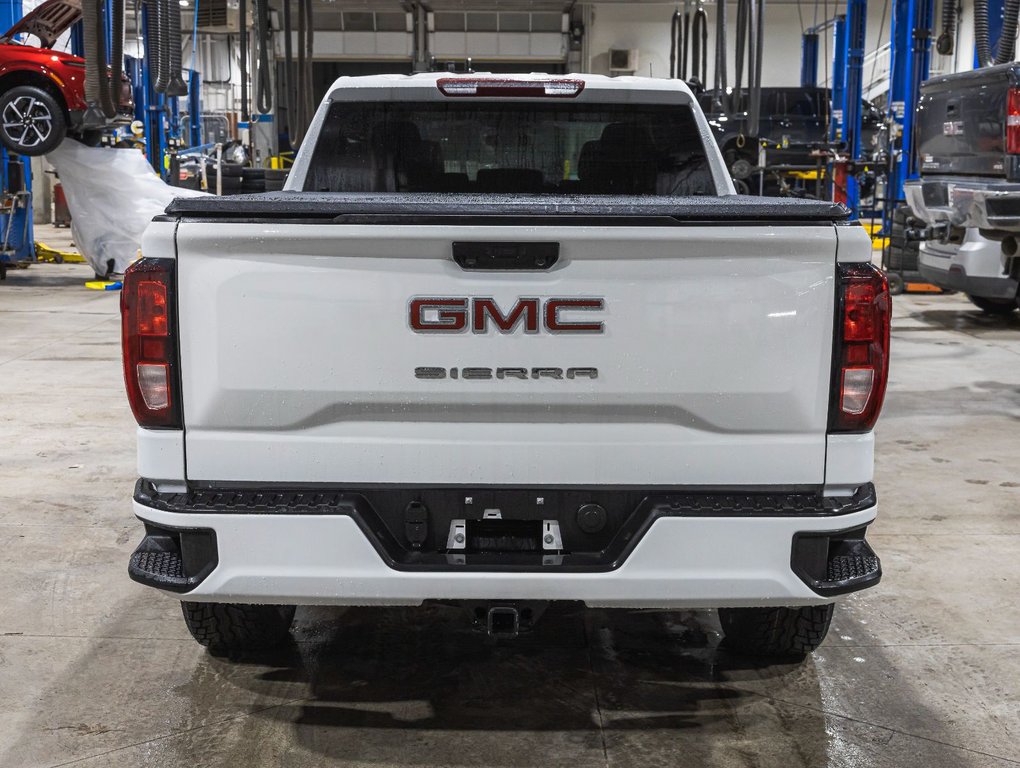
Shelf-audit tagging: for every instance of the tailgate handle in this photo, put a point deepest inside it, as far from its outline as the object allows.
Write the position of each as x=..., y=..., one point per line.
x=505, y=255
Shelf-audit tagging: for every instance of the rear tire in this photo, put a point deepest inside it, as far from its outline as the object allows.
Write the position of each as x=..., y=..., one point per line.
x=32, y=121
x=993, y=306
x=229, y=629
x=781, y=633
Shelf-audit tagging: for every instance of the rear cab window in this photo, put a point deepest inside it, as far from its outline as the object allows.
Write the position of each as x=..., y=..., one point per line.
x=515, y=147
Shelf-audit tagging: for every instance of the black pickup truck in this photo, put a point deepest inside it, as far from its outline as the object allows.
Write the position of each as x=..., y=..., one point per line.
x=794, y=121
x=968, y=153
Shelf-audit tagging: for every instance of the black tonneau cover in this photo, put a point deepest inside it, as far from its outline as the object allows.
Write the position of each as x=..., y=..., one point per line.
x=422, y=207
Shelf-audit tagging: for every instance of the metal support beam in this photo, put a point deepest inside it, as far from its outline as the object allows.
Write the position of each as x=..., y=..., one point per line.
x=809, y=60
x=838, y=89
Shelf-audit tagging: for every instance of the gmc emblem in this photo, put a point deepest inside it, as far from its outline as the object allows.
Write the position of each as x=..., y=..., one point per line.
x=460, y=314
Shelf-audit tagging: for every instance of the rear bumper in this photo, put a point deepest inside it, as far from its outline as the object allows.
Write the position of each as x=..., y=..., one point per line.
x=956, y=279
x=679, y=559
x=987, y=204
x=974, y=268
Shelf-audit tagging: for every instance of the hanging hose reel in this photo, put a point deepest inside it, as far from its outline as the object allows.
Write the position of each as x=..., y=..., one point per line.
x=1007, y=40
x=947, y=38
x=263, y=40
x=175, y=82
x=982, y=48
x=675, y=29
x=699, y=45
x=720, y=54
x=96, y=83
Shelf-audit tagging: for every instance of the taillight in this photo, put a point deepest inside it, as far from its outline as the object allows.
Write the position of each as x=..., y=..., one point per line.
x=149, y=343
x=1013, y=122
x=472, y=86
x=861, y=366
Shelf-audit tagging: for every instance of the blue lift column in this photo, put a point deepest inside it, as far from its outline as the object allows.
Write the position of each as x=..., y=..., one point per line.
x=856, y=19
x=809, y=60
x=17, y=239
x=911, y=55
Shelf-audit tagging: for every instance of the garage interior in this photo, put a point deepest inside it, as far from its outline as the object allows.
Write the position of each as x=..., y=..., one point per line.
x=96, y=670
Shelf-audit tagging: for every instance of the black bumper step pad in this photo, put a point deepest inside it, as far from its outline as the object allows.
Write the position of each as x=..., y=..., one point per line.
x=836, y=562
x=168, y=566
x=847, y=567
x=174, y=559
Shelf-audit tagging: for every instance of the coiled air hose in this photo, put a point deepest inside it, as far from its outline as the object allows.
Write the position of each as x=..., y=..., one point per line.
x=243, y=56
x=305, y=91
x=685, y=42
x=756, y=38
x=1007, y=40
x=720, y=49
x=288, y=66
x=674, y=39
x=95, y=65
x=263, y=90
x=699, y=45
x=175, y=82
x=112, y=95
x=984, y=50
x=298, y=125
x=163, y=44
x=743, y=12
x=152, y=49
x=947, y=38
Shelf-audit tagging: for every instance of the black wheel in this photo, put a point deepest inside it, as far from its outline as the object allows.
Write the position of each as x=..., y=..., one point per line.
x=740, y=164
x=32, y=121
x=776, y=632
x=993, y=306
x=228, y=629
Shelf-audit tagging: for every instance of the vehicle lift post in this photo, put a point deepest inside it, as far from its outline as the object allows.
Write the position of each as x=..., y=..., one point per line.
x=18, y=237
x=809, y=59
x=852, y=52
x=911, y=56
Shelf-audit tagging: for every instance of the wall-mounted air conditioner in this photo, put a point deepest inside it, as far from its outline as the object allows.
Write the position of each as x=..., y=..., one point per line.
x=218, y=16
x=623, y=59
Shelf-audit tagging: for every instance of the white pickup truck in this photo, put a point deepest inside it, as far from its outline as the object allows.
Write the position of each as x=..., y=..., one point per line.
x=506, y=340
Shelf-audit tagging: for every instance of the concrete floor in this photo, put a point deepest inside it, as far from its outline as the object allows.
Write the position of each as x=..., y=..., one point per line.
x=97, y=671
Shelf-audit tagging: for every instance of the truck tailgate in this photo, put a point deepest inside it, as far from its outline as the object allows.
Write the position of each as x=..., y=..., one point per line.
x=960, y=121
x=299, y=365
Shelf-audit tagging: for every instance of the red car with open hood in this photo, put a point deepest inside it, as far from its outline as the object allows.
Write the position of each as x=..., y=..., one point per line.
x=42, y=90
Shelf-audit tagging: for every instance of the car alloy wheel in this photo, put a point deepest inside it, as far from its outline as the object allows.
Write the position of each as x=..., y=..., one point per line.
x=27, y=121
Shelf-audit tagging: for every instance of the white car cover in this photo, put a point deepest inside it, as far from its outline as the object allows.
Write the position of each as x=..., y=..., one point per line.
x=112, y=194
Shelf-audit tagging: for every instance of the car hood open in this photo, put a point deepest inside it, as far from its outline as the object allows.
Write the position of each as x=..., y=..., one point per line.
x=47, y=22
